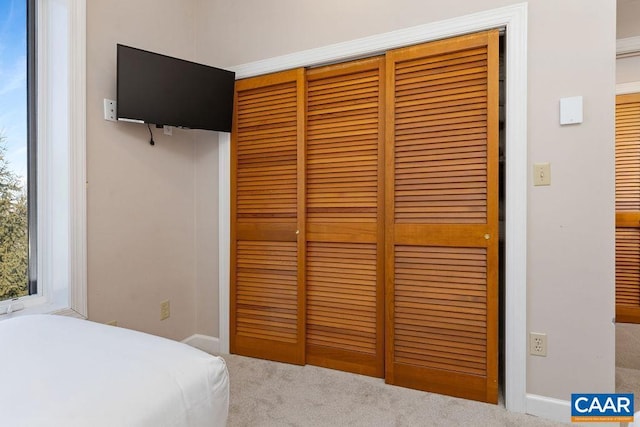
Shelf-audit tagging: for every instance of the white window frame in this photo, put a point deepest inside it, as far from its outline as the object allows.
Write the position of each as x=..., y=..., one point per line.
x=61, y=165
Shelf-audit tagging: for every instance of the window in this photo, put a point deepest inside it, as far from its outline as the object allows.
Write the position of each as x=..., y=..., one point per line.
x=57, y=119
x=17, y=150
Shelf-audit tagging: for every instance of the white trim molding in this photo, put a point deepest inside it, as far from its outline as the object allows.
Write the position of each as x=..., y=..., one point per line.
x=625, y=88
x=203, y=342
x=68, y=312
x=61, y=170
x=224, y=238
x=514, y=20
x=628, y=47
x=549, y=408
x=77, y=160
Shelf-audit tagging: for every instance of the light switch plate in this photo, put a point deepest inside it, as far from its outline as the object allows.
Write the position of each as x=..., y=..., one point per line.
x=571, y=110
x=541, y=174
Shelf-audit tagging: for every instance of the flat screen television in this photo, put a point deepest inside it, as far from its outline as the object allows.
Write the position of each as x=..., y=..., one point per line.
x=159, y=89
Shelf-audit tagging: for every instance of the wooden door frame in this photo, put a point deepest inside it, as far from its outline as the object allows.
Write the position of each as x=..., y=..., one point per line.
x=514, y=20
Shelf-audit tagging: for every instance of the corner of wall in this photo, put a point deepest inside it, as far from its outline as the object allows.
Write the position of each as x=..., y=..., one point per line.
x=205, y=343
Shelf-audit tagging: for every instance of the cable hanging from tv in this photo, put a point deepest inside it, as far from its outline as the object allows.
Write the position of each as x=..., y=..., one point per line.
x=151, y=141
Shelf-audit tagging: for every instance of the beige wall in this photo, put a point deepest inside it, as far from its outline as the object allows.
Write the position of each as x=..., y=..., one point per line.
x=141, y=199
x=570, y=223
x=628, y=13
x=628, y=69
x=248, y=30
x=145, y=203
x=571, y=234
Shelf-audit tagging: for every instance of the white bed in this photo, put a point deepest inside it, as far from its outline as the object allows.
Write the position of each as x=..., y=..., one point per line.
x=60, y=371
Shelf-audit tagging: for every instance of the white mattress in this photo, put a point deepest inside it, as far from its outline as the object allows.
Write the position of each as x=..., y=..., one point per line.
x=60, y=371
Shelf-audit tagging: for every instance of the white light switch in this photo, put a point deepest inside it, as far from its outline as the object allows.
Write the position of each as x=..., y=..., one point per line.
x=541, y=174
x=571, y=110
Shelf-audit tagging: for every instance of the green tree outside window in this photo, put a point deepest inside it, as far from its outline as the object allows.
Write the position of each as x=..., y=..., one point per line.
x=14, y=241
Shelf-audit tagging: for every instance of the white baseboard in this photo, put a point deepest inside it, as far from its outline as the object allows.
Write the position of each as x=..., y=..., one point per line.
x=553, y=409
x=69, y=312
x=204, y=343
x=549, y=408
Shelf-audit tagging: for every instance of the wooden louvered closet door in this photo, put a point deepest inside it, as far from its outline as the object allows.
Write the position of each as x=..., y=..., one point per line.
x=442, y=217
x=628, y=208
x=344, y=205
x=267, y=218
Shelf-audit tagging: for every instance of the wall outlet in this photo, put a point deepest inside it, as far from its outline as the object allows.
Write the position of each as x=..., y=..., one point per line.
x=110, y=110
x=165, y=310
x=537, y=344
x=168, y=130
x=112, y=323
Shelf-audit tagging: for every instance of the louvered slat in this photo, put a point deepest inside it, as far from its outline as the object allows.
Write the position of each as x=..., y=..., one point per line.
x=266, y=290
x=628, y=154
x=341, y=296
x=628, y=208
x=344, y=219
x=342, y=145
x=267, y=263
x=627, y=267
x=442, y=217
x=422, y=162
x=267, y=153
x=430, y=293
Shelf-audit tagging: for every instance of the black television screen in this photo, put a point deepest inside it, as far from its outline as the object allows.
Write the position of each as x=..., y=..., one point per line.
x=162, y=90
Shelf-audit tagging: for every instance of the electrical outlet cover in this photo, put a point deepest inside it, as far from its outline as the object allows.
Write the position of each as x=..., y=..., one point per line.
x=165, y=310
x=537, y=344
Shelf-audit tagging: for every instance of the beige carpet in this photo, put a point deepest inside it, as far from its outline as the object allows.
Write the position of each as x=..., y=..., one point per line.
x=276, y=394
x=268, y=394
